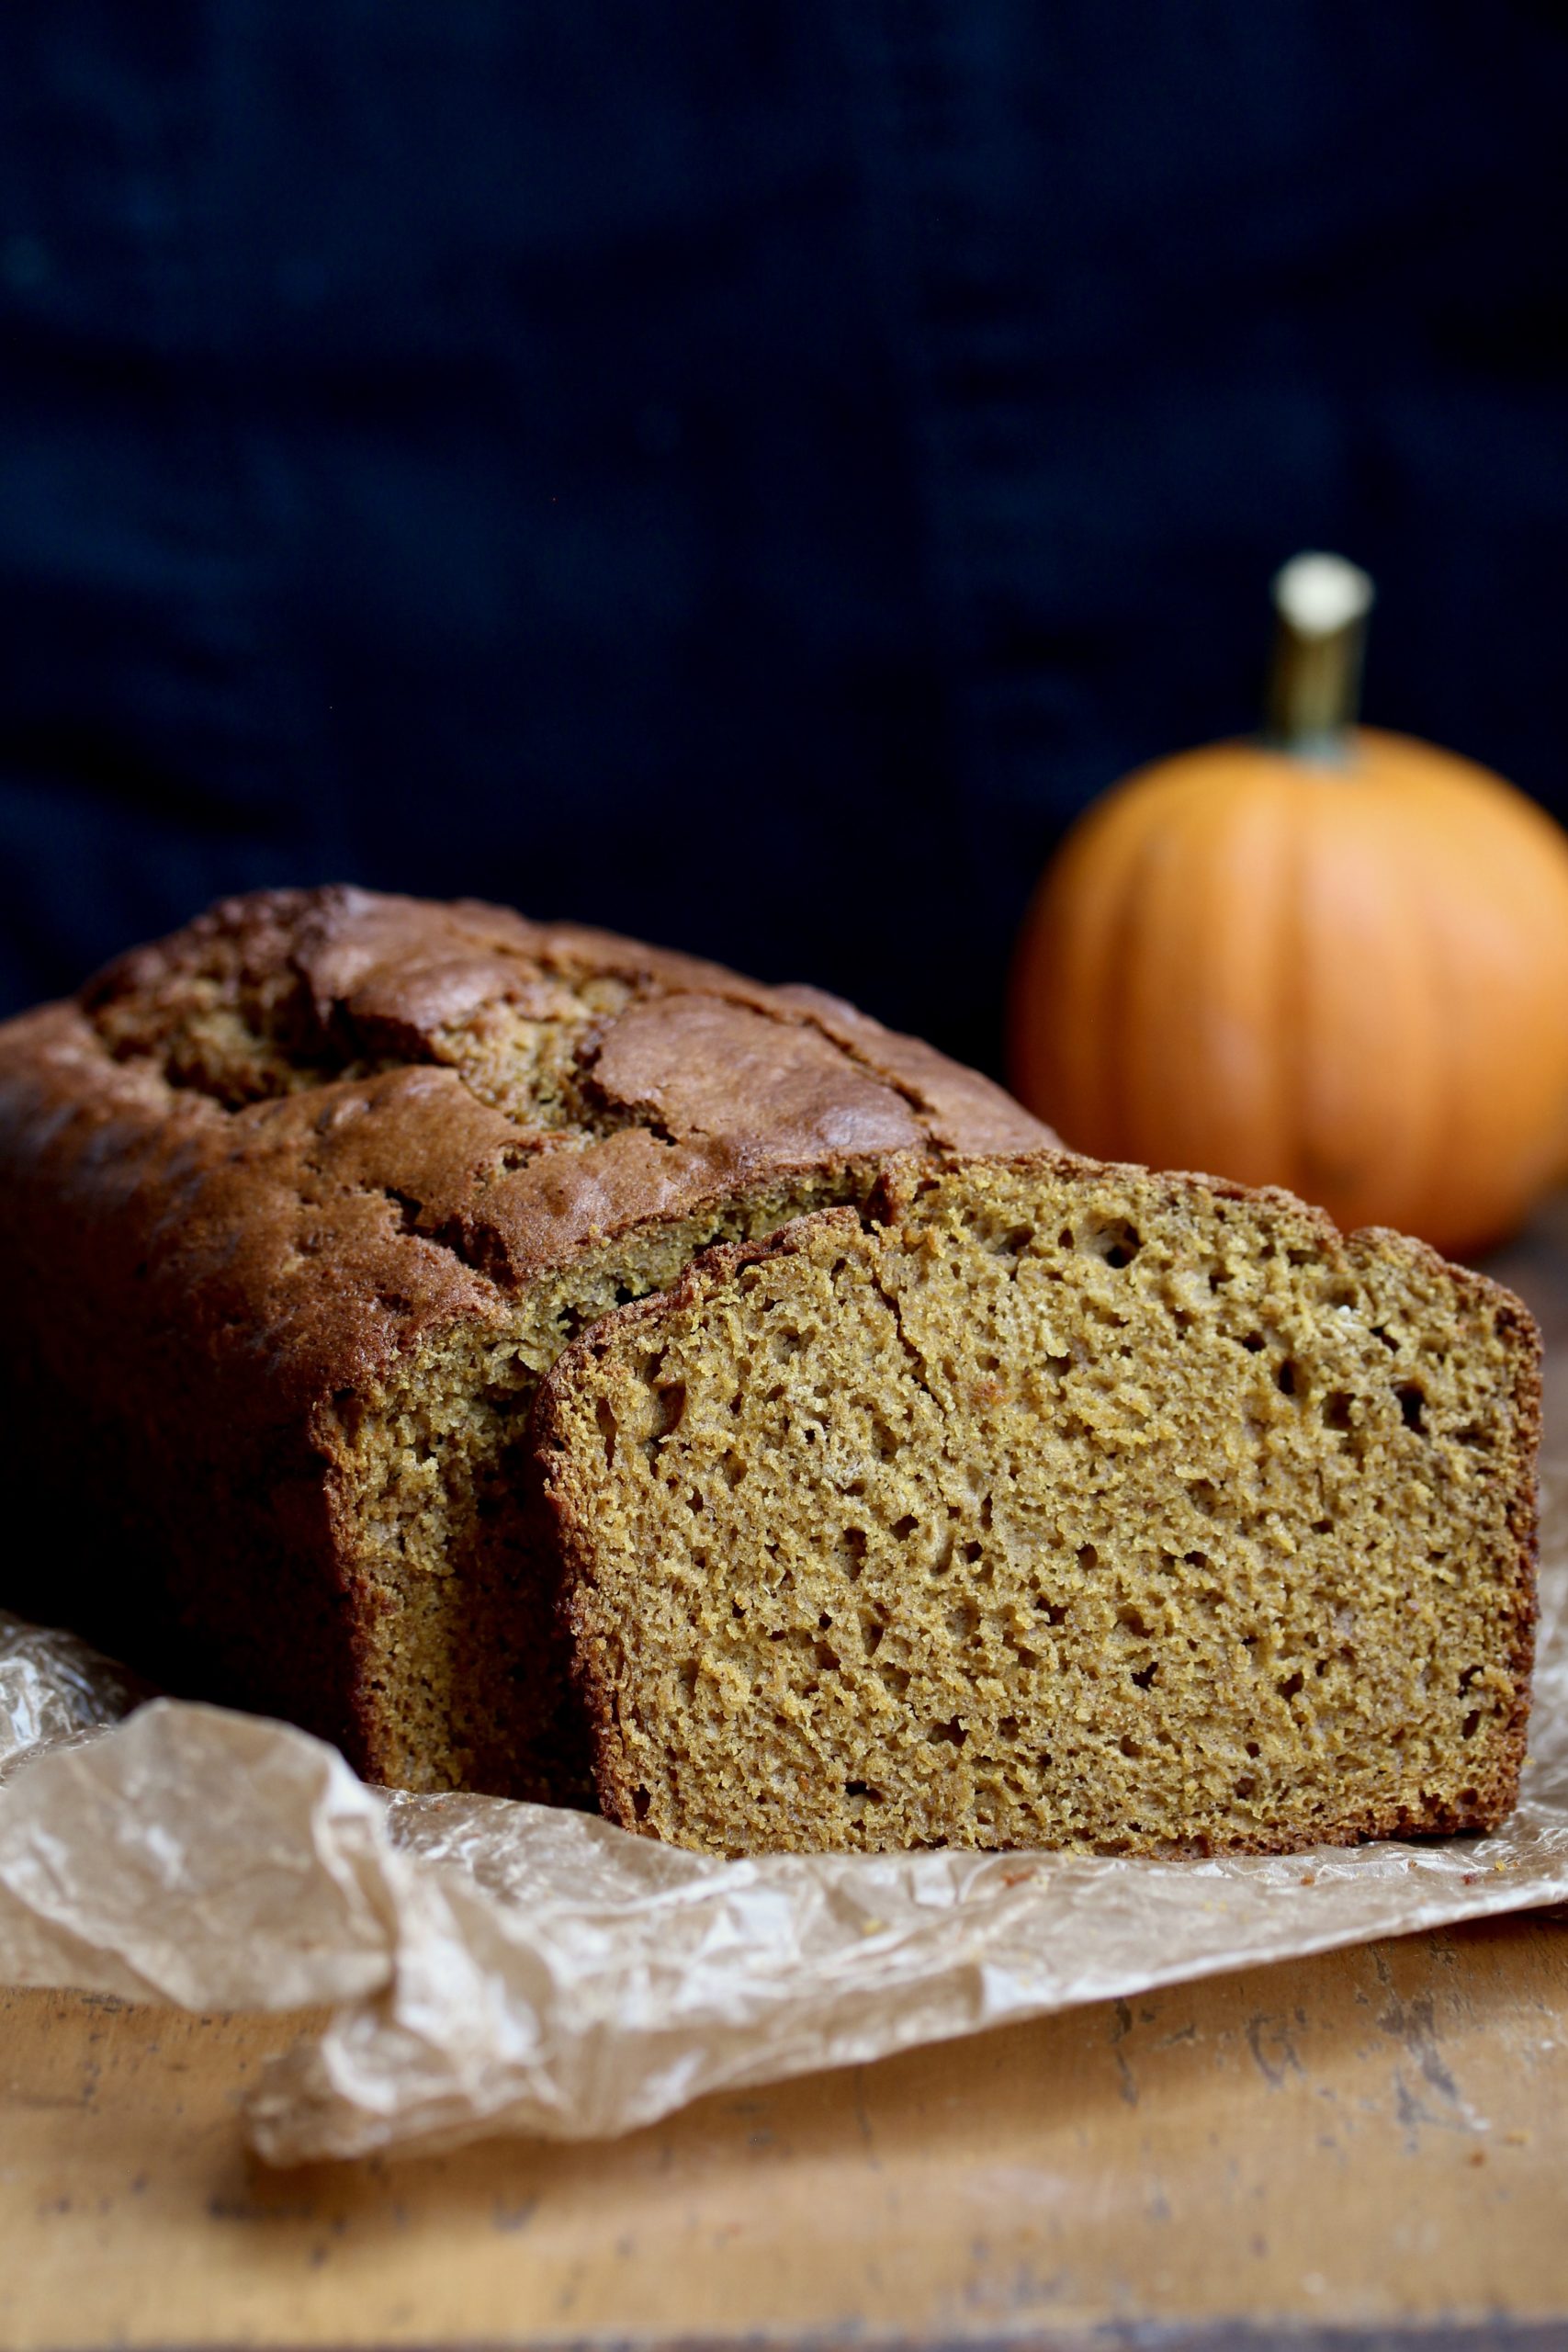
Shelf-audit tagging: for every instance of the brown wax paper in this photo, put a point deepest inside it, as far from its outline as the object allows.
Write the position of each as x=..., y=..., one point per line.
x=503, y=1967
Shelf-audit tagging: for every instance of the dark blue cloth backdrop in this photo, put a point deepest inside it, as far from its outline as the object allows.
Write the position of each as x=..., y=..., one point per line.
x=741, y=470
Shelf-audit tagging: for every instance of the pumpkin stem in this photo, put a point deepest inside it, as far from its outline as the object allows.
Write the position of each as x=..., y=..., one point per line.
x=1314, y=680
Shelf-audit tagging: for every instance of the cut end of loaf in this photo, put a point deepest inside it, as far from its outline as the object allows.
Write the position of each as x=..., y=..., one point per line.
x=1050, y=1505
x=462, y=1660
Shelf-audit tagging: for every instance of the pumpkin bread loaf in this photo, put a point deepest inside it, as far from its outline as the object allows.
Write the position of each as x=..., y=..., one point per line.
x=297, y=1206
x=1040, y=1502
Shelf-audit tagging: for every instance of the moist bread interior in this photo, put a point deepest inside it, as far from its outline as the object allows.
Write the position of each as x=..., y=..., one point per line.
x=464, y=1655
x=1054, y=1505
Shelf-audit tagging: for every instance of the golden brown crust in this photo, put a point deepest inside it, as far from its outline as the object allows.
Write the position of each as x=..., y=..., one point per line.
x=250, y=1168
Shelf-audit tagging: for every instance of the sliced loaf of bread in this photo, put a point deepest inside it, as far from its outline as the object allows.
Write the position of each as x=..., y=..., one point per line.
x=295, y=1207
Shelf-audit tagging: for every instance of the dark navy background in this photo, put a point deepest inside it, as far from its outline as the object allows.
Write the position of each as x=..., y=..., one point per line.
x=742, y=471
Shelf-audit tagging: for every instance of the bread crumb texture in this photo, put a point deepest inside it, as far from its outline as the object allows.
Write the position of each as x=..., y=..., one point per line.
x=1053, y=1505
x=464, y=1657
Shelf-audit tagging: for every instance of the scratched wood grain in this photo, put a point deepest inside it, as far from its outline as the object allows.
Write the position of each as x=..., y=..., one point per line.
x=1373, y=2136
x=1369, y=2141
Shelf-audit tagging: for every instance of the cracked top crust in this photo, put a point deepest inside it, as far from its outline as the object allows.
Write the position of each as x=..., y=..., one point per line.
x=336, y=1120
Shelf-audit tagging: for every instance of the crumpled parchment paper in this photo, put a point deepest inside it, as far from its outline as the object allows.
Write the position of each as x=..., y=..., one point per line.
x=502, y=1967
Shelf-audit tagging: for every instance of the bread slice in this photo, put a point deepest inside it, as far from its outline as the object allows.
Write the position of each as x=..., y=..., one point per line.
x=1044, y=1503
x=295, y=1207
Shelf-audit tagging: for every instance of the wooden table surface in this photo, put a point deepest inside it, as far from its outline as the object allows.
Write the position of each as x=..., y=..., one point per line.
x=1371, y=2141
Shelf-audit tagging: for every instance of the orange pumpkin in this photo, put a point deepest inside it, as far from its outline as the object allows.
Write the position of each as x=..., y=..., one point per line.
x=1338, y=963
